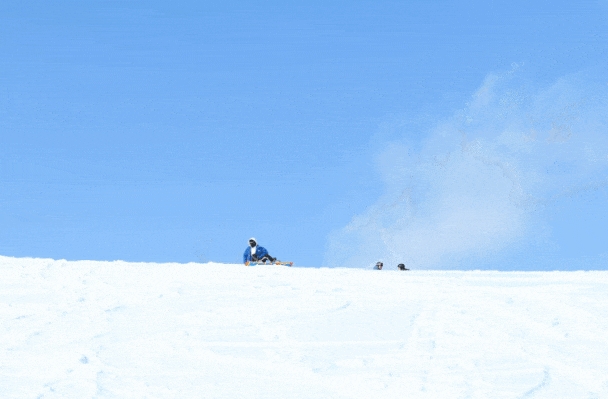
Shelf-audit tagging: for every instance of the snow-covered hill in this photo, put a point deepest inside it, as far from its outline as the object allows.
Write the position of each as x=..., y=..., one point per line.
x=134, y=330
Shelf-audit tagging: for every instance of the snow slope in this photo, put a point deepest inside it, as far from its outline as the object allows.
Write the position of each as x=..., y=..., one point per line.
x=134, y=330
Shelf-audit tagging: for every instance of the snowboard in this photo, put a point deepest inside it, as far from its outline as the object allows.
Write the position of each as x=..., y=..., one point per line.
x=278, y=263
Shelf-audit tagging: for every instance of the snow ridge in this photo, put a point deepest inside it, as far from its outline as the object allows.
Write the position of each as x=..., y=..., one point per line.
x=88, y=329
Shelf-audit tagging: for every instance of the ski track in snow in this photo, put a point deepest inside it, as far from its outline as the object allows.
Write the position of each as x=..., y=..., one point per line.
x=139, y=330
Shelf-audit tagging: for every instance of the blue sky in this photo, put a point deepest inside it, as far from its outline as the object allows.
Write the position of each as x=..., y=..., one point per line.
x=174, y=131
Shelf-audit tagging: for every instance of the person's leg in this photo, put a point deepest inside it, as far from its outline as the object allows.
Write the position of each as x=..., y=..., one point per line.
x=268, y=257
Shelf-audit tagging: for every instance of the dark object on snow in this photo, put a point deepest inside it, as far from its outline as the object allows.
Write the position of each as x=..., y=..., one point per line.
x=255, y=253
x=378, y=266
x=401, y=266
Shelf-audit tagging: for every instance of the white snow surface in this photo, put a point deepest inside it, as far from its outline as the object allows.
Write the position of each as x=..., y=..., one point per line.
x=141, y=330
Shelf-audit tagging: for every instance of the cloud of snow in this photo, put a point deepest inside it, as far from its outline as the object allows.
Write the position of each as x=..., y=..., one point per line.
x=475, y=188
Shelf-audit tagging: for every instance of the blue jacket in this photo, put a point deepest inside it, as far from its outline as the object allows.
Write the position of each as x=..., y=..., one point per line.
x=260, y=252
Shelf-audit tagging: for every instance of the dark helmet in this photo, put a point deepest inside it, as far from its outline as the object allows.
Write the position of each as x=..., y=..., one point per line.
x=252, y=242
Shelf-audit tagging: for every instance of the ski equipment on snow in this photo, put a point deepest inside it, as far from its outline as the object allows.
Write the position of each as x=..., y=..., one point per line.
x=276, y=262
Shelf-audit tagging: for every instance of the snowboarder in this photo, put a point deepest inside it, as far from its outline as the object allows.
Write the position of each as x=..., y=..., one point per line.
x=378, y=266
x=255, y=253
x=401, y=266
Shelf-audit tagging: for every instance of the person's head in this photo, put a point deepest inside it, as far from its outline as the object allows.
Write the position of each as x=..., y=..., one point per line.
x=401, y=266
x=379, y=265
x=252, y=242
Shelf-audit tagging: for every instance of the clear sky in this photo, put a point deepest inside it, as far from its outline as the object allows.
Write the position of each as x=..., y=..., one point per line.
x=441, y=134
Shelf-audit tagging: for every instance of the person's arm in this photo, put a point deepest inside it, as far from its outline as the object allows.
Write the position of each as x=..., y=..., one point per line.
x=261, y=252
x=246, y=255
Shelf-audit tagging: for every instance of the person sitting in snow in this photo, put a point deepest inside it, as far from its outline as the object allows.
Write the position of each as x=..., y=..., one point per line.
x=255, y=253
x=379, y=266
x=401, y=266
